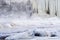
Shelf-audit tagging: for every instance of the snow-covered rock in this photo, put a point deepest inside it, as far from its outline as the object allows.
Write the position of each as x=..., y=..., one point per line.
x=24, y=35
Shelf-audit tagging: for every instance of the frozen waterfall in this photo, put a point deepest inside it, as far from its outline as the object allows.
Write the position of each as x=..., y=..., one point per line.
x=28, y=8
x=29, y=19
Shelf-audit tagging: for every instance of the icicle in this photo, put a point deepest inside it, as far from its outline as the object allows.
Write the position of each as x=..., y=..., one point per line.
x=55, y=11
x=48, y=10
x=56, y=8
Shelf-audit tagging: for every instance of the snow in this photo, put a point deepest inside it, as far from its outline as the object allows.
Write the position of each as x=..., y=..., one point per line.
x=20, y=25
x=25, y=29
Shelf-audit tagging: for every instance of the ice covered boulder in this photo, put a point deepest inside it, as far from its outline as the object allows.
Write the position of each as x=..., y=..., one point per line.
x=40, y=33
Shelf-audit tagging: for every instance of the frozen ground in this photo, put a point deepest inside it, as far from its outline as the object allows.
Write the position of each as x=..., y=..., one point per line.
x=25, y=29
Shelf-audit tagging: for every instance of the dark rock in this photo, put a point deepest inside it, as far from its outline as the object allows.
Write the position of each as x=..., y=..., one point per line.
x=3, y=37
x=37, y=34
x=53, y=35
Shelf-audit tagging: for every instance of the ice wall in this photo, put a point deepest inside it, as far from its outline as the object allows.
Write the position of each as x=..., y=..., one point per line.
x=43, y=5
x=41, y=8
x=53, y=7
x=16, y=9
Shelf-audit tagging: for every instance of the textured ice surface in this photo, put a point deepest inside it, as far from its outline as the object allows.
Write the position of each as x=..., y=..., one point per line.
x=26, y=29
x=18, y=22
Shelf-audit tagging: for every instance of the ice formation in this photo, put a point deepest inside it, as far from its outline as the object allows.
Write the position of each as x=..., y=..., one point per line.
x=29, y=20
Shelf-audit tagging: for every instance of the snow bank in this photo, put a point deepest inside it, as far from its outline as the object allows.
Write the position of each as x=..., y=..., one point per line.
x=27, y=28
x=30, y=34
